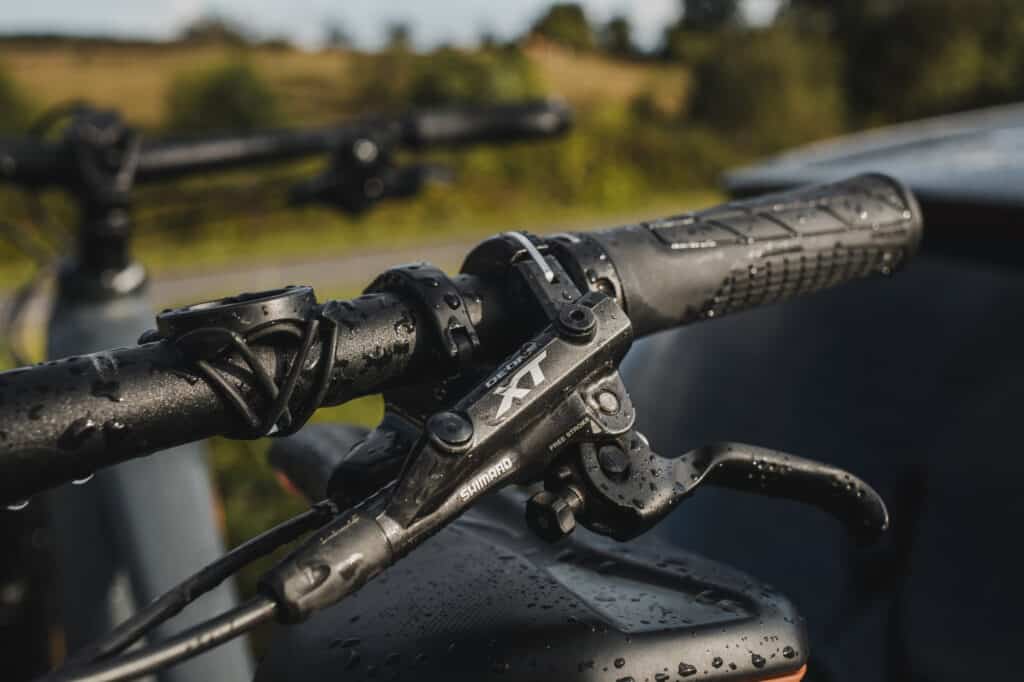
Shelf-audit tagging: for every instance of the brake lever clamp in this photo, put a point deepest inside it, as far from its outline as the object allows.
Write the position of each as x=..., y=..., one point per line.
x=555, y=304
x=554, y=389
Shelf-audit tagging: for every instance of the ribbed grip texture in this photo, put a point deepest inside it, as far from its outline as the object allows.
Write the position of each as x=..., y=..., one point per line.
x=857, y=214
x=748, y=253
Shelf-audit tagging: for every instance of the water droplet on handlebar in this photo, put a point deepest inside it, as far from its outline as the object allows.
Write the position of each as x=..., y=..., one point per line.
x=757, y=660
x=17, y=506
x=77, y=434
x=686, y=670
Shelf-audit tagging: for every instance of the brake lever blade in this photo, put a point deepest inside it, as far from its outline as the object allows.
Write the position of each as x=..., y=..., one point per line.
x=626, y=506
x=748, y=468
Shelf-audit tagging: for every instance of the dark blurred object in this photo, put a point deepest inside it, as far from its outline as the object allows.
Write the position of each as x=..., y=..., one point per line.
x=308, y=458
x=914, y=384
x=27, y=606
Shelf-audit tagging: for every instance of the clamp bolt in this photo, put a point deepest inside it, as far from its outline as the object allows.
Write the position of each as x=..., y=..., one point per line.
x=449, y=430
x=577, y=321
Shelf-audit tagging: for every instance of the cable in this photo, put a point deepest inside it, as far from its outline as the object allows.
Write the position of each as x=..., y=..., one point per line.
x=277, y=419
x=188, y=644
x=172, y=602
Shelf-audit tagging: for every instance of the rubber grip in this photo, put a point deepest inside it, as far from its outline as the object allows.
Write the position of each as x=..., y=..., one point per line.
x=758, y=251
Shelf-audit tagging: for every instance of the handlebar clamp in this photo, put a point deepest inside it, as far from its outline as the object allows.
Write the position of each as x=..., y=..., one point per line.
x=206, y=332
x=441, y=305
x=242, y=314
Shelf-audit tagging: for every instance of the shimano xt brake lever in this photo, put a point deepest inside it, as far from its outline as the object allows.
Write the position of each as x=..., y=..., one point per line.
x=555, y=410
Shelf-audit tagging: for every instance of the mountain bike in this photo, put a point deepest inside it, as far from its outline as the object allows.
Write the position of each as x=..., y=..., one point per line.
x=110, y=536
x=501, y=391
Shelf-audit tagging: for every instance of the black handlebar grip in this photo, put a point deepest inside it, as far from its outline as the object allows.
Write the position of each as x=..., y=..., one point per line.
x=758, y=251
x=501, y=123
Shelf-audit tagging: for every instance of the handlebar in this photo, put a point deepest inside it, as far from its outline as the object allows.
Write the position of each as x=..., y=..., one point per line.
x=64, y=419
x=35, y=163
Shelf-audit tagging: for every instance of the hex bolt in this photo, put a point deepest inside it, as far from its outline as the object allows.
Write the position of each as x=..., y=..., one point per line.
x=576, y=322
x=552, y=516
x=450, y=431
x=614, y=462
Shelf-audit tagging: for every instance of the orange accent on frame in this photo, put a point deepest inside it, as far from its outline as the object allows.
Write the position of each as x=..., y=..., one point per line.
x=791, y=677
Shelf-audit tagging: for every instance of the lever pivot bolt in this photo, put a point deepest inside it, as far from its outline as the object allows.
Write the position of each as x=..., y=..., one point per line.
x=608, y=402
x=449, y=430
x=614, y=462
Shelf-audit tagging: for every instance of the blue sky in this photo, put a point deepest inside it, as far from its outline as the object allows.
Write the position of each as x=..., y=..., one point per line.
x=433, y=21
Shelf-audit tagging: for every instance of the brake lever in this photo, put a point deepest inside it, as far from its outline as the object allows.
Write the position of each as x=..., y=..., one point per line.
x=555, y=410
x=623, y=489
x=362, y=173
